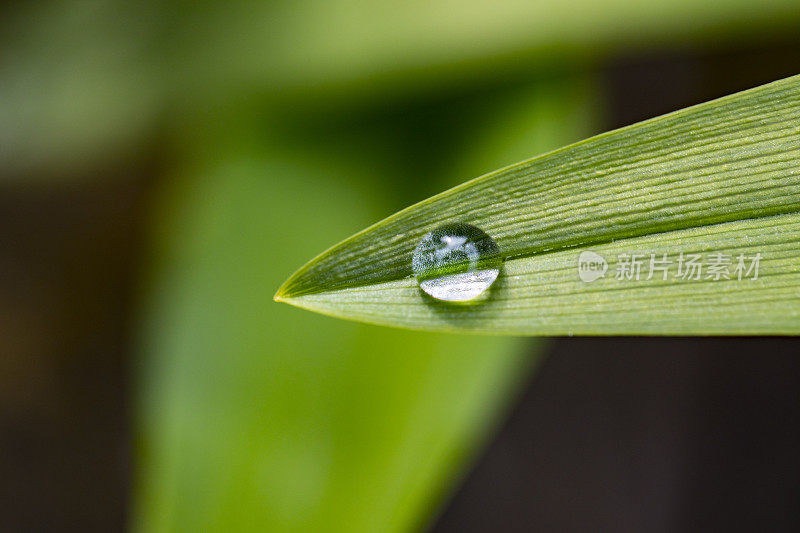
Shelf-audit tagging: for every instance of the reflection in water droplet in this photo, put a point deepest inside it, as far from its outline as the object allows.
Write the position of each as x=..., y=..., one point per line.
x=456, y=262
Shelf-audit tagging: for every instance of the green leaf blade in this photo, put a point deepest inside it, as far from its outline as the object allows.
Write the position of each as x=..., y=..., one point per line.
x=543, y=294
x=695, y=179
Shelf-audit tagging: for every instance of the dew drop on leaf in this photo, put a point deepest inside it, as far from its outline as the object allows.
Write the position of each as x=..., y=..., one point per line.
x=456, y=262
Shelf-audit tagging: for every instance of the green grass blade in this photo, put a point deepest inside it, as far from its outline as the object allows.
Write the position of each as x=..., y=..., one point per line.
x=721, y=177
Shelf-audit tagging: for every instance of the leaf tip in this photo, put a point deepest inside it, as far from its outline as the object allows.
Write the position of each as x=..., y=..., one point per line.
x=282, y=294
x=288, y=291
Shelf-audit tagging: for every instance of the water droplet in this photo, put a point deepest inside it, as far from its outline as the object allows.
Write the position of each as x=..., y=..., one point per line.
x=456, y=262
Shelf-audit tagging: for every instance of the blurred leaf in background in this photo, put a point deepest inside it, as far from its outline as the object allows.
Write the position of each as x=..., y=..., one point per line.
x=90, y=81
x=259, y=417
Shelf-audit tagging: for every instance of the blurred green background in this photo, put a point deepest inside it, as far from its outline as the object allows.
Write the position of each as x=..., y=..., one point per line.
x=167, y=165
